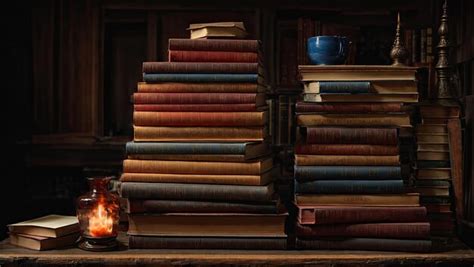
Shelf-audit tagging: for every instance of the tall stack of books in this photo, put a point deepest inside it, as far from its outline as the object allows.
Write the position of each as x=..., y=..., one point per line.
x=198, y=173
x=349, y=189
x=433, y=167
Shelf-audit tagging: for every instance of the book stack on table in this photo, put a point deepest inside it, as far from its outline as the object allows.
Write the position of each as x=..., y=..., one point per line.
x=349, y=188
x=199, y=171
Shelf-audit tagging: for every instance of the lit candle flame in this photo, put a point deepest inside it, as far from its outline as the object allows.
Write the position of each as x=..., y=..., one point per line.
x=101, y=223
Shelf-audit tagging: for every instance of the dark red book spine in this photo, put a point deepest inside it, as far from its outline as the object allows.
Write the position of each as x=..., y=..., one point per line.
x=195, y=107
x=335, y=135
x=345, y=149
x=199, y=67
x=335, y=214
x=212, y=56
x=418, y=230
x=348, y=107
x=214, y=45
x=197, y=87
x=193, y=98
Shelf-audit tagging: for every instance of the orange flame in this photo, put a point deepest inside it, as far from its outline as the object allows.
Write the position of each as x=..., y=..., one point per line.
x=101, y=223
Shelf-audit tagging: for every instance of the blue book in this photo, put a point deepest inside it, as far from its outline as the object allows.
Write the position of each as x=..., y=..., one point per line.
x=350, y=187
x=249, y=149
x=199, y=77
x=337, y=87
x=311, y=173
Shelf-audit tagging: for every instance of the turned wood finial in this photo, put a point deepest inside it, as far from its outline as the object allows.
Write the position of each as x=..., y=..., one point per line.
x=442, y=66
x=399, y=53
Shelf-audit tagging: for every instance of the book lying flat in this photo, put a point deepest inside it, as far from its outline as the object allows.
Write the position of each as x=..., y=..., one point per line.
x=41, y=242
x=217, y=30
x=47, y=226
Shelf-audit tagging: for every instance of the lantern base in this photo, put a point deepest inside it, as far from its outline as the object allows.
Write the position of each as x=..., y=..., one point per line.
x=99, y=244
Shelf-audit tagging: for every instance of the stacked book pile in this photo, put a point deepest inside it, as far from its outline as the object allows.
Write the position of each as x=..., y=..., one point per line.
x=349, y=189
x=433, y=167
x=198, y=173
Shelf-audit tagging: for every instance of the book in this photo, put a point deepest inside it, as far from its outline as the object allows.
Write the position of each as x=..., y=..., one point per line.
x=364, y=200
x=205, y=134
x=202, y=77
x=201, y=67
x=199, y=107
x=170, y=242
x=432, y=192
x=433, y=147
x=431, y=138
x=350, y=187
x=386, y=244
x=345, y=149
x=438, y=111
x=308, y=214
x=212, y=119
x=353, y=135
x=261, y=179
x=191, y=206
x=430, y=164
x=433, y=173
x=217, y=30
x=432, y=155
x=431, y=129
x=195, y=157
x=355, y=73
x=369, y=120
x=311, y=173
x=342, y=160
x=213, y=45
x=197, y=167
x=207, y=225
x=249, y=149
x=355, y=107
x=47, y=226
x=199, y=98
x=398, y=230
x=176, y=191
x=360, y=87
x=334, y=97
x=43, y=243
x=170, y=87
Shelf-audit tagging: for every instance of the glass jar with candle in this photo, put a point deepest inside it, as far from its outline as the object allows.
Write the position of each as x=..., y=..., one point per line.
x=98, y=215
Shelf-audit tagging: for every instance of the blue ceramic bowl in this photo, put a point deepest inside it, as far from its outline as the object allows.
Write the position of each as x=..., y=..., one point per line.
x=327, y=50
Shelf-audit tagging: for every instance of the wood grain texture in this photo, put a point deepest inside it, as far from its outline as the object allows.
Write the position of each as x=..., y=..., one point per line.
x=456, y=148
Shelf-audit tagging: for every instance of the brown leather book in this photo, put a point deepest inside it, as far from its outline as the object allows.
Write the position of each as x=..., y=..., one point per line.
x=431, y=129
x=218, y=134
x=201, y=67
x=334, y=160
x=195, y=157
x=399, y=120
x=42, y=243
x=360, y=107
x=199, y=98
x=355, y=73
x=143, y=87
x=432, y=155
x=208, y=225
x=434, y=173
x=214, y=45
x=438, y=111
x=405, y=98
x=197, y=167
x=356, y=135
x=392, y=200
x=345, y=149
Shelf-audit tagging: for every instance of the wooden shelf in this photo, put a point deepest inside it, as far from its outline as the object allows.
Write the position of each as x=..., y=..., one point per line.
x=454, y=253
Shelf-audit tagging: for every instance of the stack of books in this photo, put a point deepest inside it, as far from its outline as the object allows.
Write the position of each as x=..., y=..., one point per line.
x=433, y=167
x=199, y=171
x=48, y=232
x=349, y=188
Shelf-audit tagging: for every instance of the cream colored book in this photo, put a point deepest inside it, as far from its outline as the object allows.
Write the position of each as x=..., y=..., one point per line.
x=41, y=242
x=356, y=73
x=47, y=226
x=218, y=29
x=377, y=87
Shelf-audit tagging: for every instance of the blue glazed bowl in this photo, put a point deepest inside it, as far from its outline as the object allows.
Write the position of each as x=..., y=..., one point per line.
x=327, y=50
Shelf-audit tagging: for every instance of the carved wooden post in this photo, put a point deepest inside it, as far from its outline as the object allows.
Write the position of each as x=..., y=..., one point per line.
x=398, y=53
x=442, y=66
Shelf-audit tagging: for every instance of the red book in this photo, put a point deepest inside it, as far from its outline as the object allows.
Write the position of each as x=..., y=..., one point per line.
x=214, y=45
x=348, y=107
x=212, y=56
x=345, y=149
x=200, y=67
x=196, y=107
x=341, y=135
x=199, y=98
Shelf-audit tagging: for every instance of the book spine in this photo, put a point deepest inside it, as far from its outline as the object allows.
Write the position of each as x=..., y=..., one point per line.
x=197, y=87
x=348, y=107
x=322, y=120
x=176, y=206
x=346, y=149
x=366, y=244
x=191, y=178
x=365, y=200
x=375, y=230
x=199, y=77
x=337, y=135
x=214, y=45
x=222, y=134
x=353, y=87
x=184, y=148
x=174, y=191
x=427, y=164
x=337, y=160
x=212, y=56
x=159, y=242
x=195, y=107
x=350, y=187
x=308, y=173
x=192, y=157
x=199, y=118
x=193, y=98
x=341, y=214
x=191, y=167
x=199, y=67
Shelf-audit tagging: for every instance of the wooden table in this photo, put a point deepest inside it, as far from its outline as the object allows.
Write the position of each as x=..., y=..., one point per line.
x=454, y=254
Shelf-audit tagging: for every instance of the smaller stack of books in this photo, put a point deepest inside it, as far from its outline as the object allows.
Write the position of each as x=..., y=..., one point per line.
x=48, y=232
x=225, y=30
x=350, y=191
x=433, y=167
